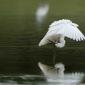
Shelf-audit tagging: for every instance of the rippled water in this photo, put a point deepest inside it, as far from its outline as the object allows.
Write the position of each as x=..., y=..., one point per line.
x=28, y=80
x=20, y=35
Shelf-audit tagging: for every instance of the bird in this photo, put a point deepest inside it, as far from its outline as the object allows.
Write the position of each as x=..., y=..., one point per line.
x=41, y=13
x=51, y=71
x=60, y=29
x=57, y=74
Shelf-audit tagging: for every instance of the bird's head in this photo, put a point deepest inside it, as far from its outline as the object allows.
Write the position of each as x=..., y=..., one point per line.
x=59, y=45
x=60, y=67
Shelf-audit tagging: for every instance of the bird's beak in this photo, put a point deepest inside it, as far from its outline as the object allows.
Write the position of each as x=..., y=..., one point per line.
x=50, y=41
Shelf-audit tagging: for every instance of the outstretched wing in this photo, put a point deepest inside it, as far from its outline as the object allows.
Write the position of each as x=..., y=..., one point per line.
x=67, y=29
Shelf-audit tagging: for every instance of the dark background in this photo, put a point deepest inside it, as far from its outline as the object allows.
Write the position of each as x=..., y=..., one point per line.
x=20, y=35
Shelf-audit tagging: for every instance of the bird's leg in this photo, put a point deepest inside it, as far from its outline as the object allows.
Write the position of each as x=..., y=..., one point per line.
x=54, y=50
x=54, y=54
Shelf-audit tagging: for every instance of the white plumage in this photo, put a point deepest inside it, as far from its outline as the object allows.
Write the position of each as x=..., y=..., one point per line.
x=56, y=74
x=60, y=29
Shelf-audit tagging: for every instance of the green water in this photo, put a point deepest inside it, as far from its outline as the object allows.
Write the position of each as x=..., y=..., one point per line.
x=20, y=35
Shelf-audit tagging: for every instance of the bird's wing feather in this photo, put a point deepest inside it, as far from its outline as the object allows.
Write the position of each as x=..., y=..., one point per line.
x=67, y=29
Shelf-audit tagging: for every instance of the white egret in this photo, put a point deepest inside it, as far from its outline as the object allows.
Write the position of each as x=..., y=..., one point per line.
x=60, y=29
x=41, y=13
x=56, y=74
x=52, y=71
